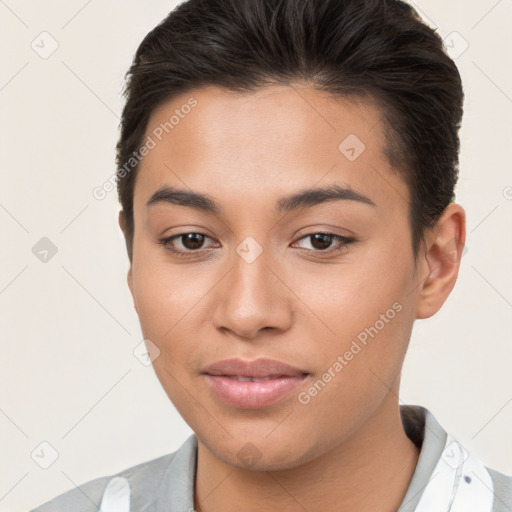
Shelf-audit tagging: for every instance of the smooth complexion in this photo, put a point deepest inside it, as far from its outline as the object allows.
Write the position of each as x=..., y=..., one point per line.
x=301, y=302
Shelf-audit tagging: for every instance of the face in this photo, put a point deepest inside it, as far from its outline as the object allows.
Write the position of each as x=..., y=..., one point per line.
x=281, y=316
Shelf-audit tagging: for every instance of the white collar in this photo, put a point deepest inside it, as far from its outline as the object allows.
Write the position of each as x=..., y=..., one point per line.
x=459, y=483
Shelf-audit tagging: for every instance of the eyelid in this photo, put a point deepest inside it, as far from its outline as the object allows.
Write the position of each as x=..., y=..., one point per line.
x=166, y=241
x=344, y=242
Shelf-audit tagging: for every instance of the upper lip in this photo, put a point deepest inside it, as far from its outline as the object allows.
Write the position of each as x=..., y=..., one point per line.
x=255, y=368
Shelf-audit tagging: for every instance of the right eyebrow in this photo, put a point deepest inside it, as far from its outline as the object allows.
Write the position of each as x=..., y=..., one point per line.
x=180, y=197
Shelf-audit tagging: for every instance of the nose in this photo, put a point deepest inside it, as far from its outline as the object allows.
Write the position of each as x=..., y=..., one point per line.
x=253, y=298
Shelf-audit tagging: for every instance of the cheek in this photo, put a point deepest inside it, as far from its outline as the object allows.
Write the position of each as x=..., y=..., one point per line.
x=167, y=300
x=363, y=313
x=347, y=298
x=358, y=365
x=164, y=293
x=172, y=307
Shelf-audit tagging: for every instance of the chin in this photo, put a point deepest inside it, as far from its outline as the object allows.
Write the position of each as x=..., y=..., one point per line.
x=260, y=454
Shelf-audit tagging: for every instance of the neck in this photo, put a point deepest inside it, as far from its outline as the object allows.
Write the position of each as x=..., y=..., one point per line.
x=369, y=471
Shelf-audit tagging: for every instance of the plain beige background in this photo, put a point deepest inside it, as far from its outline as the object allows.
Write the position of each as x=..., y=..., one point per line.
x=69, y=376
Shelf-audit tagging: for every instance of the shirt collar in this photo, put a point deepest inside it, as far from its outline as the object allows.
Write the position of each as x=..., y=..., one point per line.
x=426, y=433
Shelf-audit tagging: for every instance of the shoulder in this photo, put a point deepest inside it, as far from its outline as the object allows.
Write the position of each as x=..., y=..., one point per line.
x=143, y=480
x=502, y=491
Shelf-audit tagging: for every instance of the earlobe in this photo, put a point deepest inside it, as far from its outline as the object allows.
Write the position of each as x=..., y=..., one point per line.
x=443, y=252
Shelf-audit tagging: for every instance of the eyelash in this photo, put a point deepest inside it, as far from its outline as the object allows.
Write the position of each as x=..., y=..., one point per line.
x=343, y=240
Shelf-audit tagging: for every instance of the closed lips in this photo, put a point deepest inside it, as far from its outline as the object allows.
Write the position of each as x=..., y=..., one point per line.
x=253, y=384
x=241, y=378
x=255, y=369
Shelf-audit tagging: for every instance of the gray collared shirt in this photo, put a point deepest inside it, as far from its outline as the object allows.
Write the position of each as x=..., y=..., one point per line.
x=167, y=483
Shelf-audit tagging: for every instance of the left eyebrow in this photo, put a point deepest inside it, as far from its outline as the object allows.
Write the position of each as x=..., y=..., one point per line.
x=305, y=198
x=314, y=196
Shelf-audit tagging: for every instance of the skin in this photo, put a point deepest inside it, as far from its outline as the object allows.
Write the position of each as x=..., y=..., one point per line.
x=346, y=448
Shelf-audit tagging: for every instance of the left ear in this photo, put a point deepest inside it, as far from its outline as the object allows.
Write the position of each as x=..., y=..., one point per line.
x=443, y=252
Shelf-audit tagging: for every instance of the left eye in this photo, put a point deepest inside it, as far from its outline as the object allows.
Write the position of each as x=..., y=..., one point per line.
x=323, y=241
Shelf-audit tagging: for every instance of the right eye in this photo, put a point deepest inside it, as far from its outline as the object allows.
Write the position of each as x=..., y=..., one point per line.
x=188, y=243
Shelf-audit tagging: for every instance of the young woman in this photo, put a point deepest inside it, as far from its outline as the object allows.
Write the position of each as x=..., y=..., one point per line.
x=286, y=171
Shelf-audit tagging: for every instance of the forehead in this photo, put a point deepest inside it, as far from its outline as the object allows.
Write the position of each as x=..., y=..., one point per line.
x=266, y=142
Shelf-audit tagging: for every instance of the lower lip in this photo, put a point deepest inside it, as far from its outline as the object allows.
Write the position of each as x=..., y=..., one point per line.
x=253, y=395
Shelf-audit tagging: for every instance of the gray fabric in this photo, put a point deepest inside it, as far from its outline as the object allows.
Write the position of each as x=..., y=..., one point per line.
x=166, y=484
x=165, y=478
x=502, y=491
x=434, y=439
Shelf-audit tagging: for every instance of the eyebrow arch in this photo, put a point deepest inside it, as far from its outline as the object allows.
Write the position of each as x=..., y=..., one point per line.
x=314, y=196
x=195, y=200
x=303, y=199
